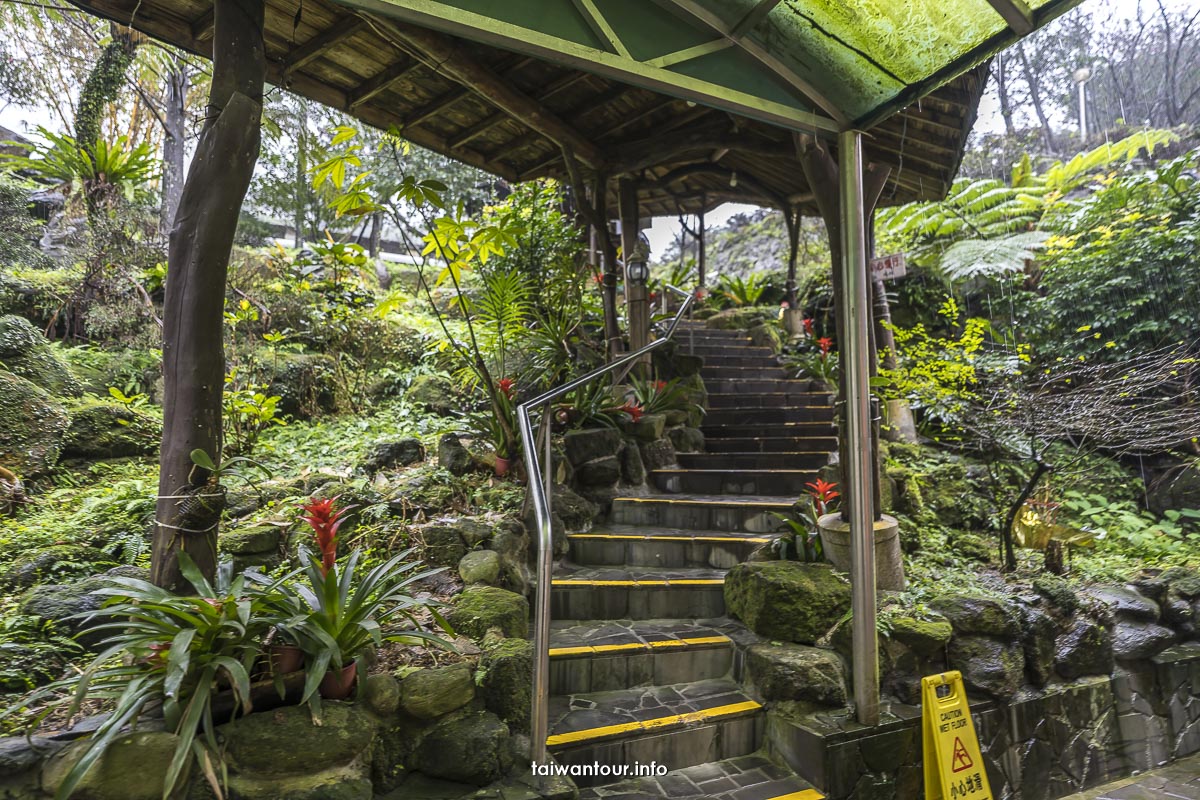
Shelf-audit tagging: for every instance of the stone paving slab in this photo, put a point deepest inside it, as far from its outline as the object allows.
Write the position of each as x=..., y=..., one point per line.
x=1176, y=781
x=746, y=778
x=572, y=638
x=571, y=575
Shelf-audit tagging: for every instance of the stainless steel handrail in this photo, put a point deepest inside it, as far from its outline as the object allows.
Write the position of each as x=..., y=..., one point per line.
x=540, y=488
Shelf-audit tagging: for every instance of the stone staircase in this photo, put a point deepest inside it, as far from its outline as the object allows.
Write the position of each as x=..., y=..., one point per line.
x=644, y=665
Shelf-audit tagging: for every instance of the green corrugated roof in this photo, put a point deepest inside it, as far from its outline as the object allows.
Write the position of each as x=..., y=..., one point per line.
x=805, y=64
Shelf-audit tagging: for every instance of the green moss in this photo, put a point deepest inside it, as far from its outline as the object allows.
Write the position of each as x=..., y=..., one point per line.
x=507, y=680
x=480, y=608
x=787, y=600
x=32, y=427
x=108, y=430
x=27, y=354
x=1057, y=591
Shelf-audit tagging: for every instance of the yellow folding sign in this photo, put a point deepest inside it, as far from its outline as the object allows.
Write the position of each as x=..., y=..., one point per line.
x=953, y=764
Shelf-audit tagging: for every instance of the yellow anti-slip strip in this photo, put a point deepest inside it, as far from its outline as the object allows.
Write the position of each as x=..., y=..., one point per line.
x=805, y=794
x=651, y=724
x=672, y=582
x=558, y=652
x=645, y=537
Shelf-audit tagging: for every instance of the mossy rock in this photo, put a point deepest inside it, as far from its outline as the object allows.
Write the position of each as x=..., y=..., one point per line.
x=27, y=354
x=1058, y=592
x=54, y=562
x=433, y=392
x=507, y=680
x=480, y=608
x=787, y=600
x=286, y=741
x=306, y=384
x=978, y=615
x=251, y=541
x=469, y=749
x=989, y=665
x=134, y=767
x=110, y=430
x=32, y=427
x=434, y=692
x=60, y=603
x=795, y=672
x=925, y=637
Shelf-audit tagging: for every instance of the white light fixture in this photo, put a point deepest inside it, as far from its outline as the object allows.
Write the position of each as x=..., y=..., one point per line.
x=733, y=180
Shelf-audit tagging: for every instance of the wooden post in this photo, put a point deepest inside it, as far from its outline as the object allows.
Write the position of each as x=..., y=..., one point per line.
x=700, y=271
x=637, y=307
x=198, y=257
x=792, y=217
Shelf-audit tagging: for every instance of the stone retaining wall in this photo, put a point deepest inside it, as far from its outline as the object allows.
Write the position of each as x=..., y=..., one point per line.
x=1045, y=744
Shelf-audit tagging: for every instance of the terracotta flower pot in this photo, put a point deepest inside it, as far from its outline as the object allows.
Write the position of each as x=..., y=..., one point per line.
x=502, y=466
x=285, y=658
x=339, y=685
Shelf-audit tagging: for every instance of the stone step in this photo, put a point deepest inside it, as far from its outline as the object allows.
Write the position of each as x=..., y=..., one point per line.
x=769, y=444
x=707, y=349
x=757, y=429
x=733, y=481
x=752, y=777
x=792, y=399
x=636, y=593
x=702, y=512
x=639, y=546
x=743, y=385
x=759, y=415
x=736, y=358
x=804, y=460
x=681, y=725
x=605, y=655
x=735, y=373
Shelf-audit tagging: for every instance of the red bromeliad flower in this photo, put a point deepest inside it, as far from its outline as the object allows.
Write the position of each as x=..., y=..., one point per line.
x=507, y=386
x=660, y=385
x=701, y=294
x=822, y=493
x=634, y=410
x=325, y=522
x=809, y=326
x=826, y=344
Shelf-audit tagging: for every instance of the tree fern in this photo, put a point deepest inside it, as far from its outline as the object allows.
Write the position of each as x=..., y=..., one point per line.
x=991, y=258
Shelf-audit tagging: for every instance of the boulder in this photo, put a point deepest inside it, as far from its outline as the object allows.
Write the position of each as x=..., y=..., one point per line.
x=988, y=665
x=978, y=615
x=511, y=543
x=110, y=430
x=20, y=754
x=1179, y=488
x=306, y=384
x=1085, y=649
x=480, y=566
x=469, y=749
x=686, y=440
x=600, y=472
x=633, y=471
x=133, y=767
x=24, y=352
x=480, y=608
x=1037, y=639
x=286, y=741
x=36, y=566
x=795, y=672
x=649, y=428
x=59, y=603
x=254, y=540
x=430, y=693
x=452, y=455
x=508, y=679
x=926, y=637
x=658, y=454
x=444, y=545
x=787, y=600
x=577, y=513
x=32, y=427
x=1125, y=603
x=434, y=393
x=1058, y=593
x=380, y=693
x=592, y=443
x=393, y=453
x=1138, y=639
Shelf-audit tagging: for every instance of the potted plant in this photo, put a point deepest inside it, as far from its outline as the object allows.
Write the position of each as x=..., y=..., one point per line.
x=166, y=654
x=345, y=614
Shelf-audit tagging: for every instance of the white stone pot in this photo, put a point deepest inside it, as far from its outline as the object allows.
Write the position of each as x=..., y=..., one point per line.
x=889, y=565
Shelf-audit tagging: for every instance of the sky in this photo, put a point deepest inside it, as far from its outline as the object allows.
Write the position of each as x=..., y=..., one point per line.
x=665, y=229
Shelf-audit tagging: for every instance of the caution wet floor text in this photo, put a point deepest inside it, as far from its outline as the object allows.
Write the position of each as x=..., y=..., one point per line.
x=953, y=765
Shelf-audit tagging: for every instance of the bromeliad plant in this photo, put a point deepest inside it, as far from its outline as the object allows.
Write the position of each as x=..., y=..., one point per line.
x=801, y=540
x=814, y=358
x=166, y=654
x=657, y=396
x=325, y=522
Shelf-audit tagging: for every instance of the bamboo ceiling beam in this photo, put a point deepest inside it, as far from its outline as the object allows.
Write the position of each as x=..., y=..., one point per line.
x=455, y=62
x=341, y=29
x=486, y=124
x=439, y=104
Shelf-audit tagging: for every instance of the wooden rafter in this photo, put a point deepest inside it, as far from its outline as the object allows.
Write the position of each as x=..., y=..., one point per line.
x=454, y=61
x=599, y=25
x=484, y=125
x=695, y=11
x=202, y=28
x=1017, y=15
x=382, y=81
x=439, y=105
x=752, y=17
x=311, y=50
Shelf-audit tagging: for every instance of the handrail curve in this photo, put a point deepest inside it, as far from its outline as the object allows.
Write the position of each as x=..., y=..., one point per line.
x=539, y=488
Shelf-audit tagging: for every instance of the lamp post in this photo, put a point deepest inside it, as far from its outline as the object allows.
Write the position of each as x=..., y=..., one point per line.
x=1081, y=77
x=637, y=273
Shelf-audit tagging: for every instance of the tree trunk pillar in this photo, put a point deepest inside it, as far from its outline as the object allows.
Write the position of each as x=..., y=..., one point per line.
x=636, y=294
x=198, y=259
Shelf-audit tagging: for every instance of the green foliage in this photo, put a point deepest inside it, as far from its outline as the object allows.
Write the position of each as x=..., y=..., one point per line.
x=19, y=231
x=122, y=166
x=747, y=291
x=658, y=396
x=1130, y=529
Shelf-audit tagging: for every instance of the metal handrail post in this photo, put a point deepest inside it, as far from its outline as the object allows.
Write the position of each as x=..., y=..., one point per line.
x=540, y=486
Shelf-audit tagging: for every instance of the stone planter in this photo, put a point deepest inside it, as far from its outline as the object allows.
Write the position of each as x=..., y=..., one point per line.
x=889, y=566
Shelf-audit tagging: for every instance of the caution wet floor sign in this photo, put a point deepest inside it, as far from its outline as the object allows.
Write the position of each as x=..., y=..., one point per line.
x=953, y=766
